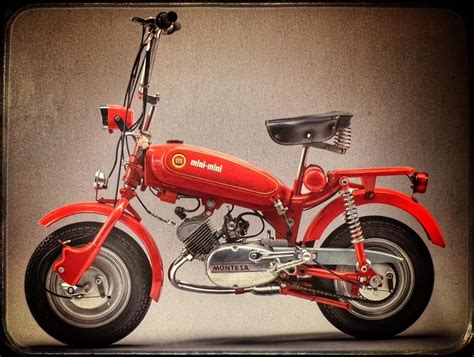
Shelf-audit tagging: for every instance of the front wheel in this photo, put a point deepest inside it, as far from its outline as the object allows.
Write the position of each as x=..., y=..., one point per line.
x=109, y=301
x=395, y=306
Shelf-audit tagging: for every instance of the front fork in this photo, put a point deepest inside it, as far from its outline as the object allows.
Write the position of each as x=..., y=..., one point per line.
x=74, y=262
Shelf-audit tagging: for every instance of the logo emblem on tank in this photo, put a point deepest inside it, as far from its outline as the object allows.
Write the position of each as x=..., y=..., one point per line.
x=178, y=160
x=206, y=165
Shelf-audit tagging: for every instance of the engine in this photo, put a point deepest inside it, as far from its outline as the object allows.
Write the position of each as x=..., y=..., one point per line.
x=197, y=235
x=230, y=260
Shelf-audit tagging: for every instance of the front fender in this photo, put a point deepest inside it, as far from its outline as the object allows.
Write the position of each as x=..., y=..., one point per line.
x=382, y=196
x=128, y=220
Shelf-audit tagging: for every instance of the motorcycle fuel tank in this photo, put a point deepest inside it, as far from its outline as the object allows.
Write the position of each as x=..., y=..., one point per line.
x=202, y=172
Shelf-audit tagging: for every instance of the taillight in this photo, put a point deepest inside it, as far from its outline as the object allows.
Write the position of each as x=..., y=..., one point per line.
x=113, y=117
x=420, y=182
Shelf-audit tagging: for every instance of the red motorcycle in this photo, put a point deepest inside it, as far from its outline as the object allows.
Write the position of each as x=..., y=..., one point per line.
x=91, y=284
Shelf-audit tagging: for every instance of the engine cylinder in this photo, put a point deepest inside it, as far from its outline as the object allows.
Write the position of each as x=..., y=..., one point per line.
x=198, y=236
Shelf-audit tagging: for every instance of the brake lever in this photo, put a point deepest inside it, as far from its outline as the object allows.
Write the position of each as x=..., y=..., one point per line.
x=139, y=20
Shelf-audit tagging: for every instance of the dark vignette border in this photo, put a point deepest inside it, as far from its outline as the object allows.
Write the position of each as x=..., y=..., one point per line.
x=14, y=7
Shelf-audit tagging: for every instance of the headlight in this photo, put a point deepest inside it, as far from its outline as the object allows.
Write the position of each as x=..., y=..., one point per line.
x=100, y=182
x=113, y=117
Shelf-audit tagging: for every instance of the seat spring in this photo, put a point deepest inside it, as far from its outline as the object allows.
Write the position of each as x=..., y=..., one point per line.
x=342, y=139
x=351, y=216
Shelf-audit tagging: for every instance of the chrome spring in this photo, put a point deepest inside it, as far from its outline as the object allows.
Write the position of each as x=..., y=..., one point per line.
x=342, y=139
x=351, y=216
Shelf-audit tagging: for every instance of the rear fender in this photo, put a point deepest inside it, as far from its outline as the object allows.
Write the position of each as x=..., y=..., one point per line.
x=381, y=196
x=127, y=219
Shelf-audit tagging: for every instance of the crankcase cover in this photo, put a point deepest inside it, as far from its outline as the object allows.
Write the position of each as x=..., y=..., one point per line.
x=230, y=266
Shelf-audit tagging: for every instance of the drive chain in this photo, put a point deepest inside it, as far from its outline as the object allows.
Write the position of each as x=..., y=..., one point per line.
x=325, y=294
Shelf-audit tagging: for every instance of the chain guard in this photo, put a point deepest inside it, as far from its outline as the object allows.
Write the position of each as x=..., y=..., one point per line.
x=325, y=294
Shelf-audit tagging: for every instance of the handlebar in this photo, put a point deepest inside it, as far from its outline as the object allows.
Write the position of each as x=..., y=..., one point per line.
x=164, y=20
x=165, y=23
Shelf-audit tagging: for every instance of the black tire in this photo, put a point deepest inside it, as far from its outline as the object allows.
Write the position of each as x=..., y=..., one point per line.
x=364, y=321
x=96, y=321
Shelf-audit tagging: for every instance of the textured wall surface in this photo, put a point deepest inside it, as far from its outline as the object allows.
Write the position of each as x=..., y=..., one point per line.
x=401, y=72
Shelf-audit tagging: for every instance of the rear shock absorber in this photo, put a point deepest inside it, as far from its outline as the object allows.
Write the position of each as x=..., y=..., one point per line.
x=351, y=217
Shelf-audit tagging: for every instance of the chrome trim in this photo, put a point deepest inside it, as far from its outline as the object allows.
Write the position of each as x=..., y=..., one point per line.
x=182, y=285
x=178, y=263
x=100, y=181
x=302, y=163
x=347, y=256
x=230, y=266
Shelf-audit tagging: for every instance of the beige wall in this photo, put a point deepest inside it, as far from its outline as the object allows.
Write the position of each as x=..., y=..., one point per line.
x=401, y=72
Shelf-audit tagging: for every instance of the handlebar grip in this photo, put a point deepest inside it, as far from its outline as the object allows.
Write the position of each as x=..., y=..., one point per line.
x=166, y=19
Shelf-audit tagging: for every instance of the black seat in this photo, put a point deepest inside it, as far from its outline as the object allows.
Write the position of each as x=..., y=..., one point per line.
x=307, y=129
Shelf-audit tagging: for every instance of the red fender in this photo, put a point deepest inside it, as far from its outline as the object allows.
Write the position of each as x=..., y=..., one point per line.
x=383, y=196
x=127, y=219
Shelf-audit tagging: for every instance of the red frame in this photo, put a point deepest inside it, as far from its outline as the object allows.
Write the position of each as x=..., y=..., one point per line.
x=152, y=171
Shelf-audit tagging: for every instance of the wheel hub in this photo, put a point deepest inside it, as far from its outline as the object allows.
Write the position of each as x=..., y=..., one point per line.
x=397, y=284
x=98, y=298
x=381, y=285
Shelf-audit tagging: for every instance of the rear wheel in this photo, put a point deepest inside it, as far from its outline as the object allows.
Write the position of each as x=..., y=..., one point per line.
x=385, y=313
x=109, y=301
